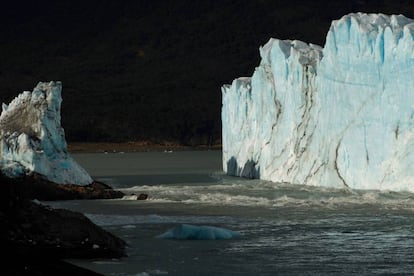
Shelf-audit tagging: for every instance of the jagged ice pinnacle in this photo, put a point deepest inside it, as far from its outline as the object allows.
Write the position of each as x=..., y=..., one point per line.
x=338, y=116
x=32, y=139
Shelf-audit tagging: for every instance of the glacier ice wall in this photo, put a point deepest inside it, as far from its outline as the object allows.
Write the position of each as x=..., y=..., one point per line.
x=341, y=116
x=32, y=139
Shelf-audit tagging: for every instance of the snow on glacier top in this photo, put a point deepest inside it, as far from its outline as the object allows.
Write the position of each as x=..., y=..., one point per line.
x=308, y=53
x=371, y=22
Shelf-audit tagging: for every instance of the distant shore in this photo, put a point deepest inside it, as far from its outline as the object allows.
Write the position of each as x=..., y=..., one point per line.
x=85, y=147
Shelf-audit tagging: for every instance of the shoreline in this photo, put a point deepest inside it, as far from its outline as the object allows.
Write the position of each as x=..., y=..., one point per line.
x=102, y=147
x=42, y=238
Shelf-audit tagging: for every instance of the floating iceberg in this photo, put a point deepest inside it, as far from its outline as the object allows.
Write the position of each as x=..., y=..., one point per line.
x=338, y=116
x=193, y=232
x=32, y=139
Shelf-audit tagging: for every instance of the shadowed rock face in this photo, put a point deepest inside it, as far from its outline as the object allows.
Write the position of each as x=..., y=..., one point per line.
x=60, y=233
x=38, y=237
x=32, y=139
x=36, y=187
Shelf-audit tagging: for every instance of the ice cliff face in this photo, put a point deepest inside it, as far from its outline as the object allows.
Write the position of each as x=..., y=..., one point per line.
x=32, y=139
x=341, y=116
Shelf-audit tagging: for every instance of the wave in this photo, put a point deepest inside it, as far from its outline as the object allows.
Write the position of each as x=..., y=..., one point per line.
x=240, y=192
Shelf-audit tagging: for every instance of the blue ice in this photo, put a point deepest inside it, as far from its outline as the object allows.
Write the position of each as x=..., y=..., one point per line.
x=194, y=232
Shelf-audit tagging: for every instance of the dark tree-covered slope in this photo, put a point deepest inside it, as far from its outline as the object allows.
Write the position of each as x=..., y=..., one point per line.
x=152, y=70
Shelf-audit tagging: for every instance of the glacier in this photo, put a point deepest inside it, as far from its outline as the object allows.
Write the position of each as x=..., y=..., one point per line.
x=339, y=116
x=32, y=140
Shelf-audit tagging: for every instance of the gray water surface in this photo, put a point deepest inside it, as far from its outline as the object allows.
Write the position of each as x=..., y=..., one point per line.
x=285, y=229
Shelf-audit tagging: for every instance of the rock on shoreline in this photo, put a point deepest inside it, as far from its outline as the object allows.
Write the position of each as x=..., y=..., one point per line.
x=36, y=187
x=39, y=237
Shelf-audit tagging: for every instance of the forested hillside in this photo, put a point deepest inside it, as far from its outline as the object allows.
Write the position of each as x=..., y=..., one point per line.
x=152, y=70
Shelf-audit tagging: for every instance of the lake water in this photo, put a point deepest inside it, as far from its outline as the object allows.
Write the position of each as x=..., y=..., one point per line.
x=285, y=229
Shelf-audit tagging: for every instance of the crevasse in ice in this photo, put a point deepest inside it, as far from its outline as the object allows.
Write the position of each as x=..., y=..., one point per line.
x=338, y=116
x=32, y=139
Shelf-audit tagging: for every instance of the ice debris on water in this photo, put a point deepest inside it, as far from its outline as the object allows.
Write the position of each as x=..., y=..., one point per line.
x=194, y=232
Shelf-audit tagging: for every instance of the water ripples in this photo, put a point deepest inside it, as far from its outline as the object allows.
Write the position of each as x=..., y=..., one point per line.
x=235, y=192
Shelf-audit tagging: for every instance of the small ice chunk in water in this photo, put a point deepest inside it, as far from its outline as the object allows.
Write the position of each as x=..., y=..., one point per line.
x=193, y=232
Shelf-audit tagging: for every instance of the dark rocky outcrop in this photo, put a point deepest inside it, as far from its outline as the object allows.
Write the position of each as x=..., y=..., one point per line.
x=37, y=237
x=35, y=186
x=57, y=232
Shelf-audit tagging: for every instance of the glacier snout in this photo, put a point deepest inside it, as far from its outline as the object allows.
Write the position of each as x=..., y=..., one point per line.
x=32, y=139
x=338, y=116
